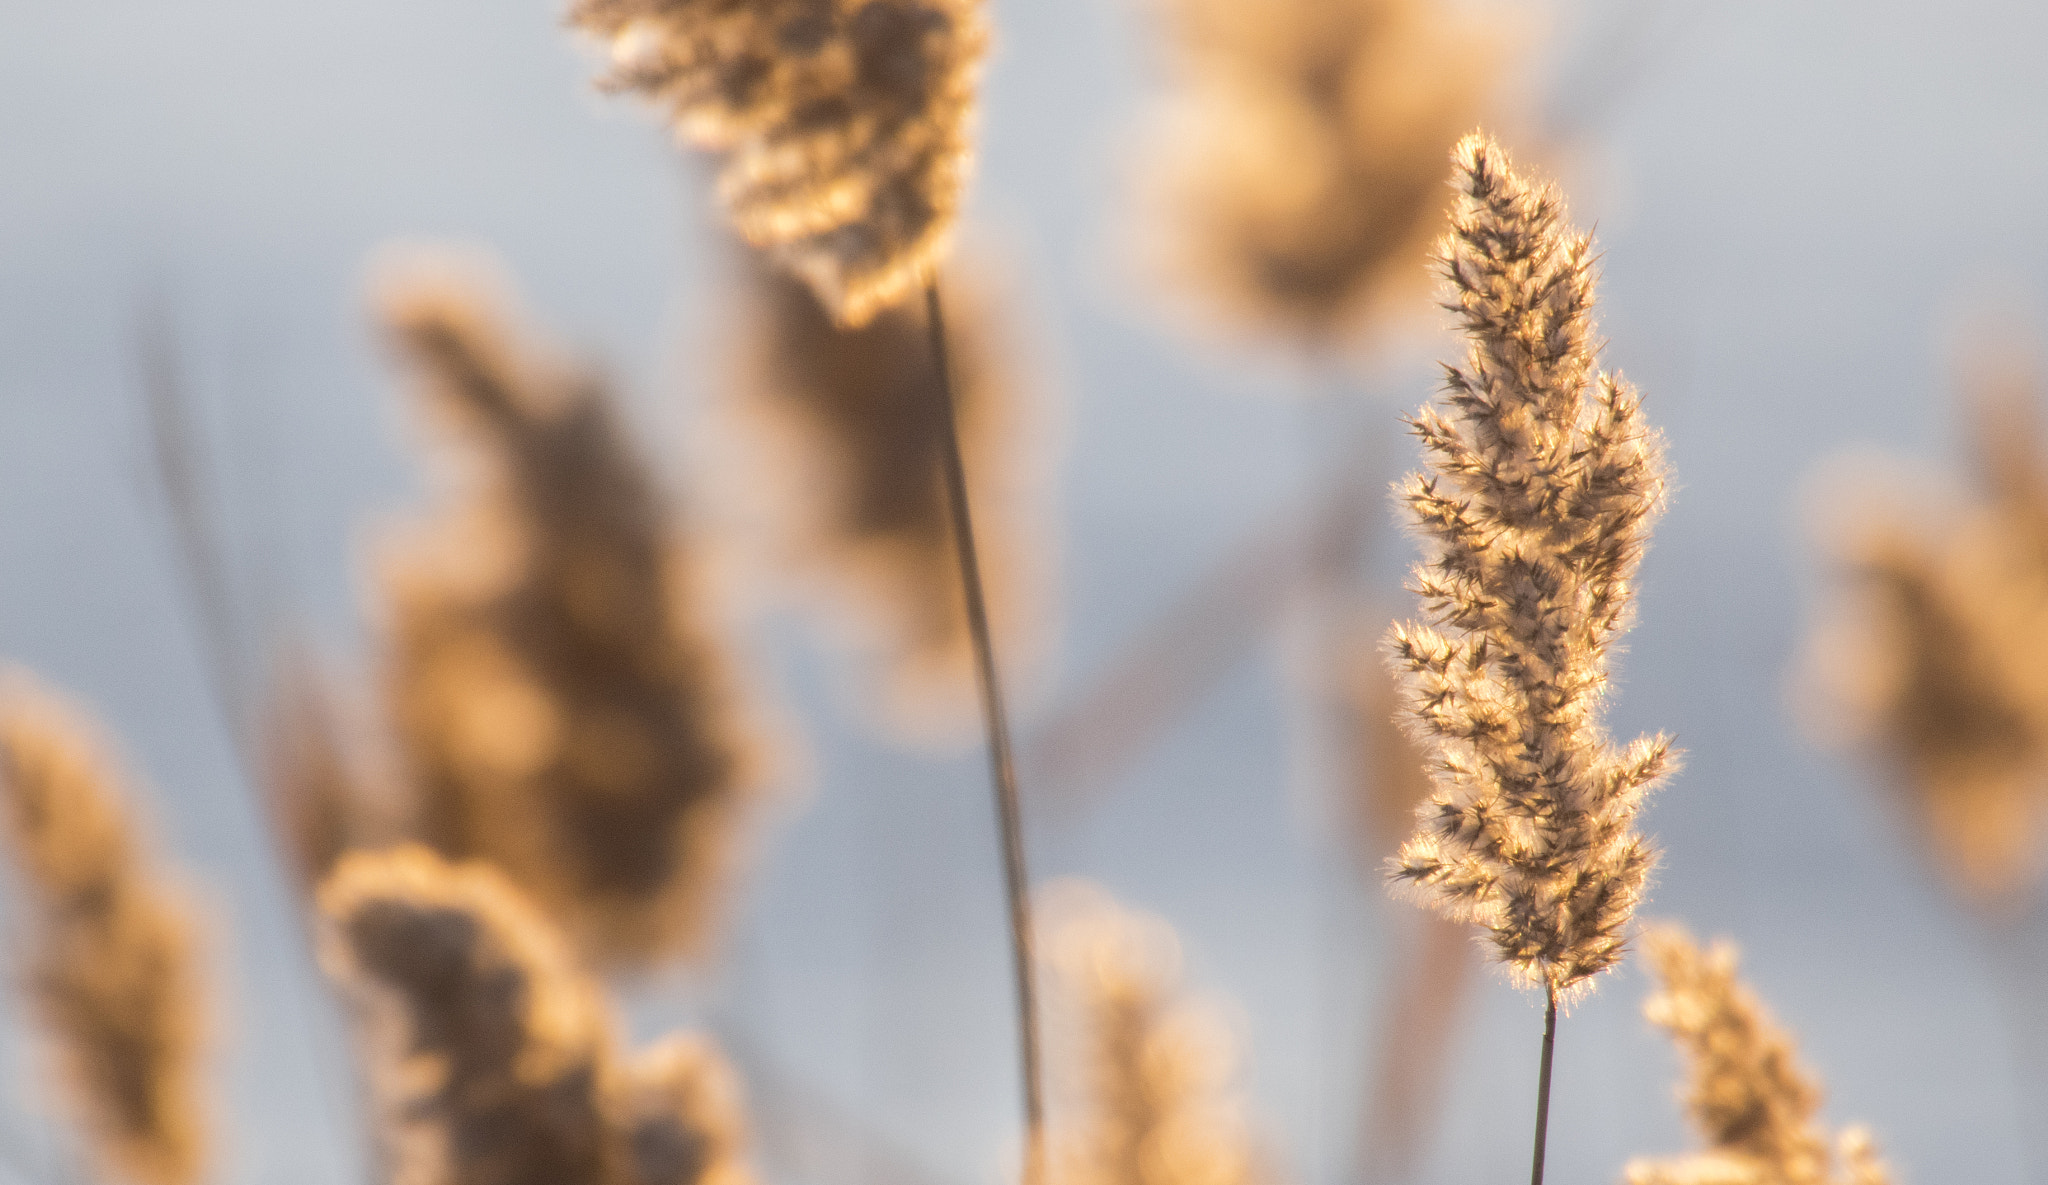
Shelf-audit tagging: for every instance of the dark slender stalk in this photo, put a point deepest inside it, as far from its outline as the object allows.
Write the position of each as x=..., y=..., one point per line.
x=1543, y=1088
x=1002, y=767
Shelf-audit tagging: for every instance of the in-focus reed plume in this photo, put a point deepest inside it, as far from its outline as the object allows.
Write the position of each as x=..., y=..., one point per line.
x=1747, y=1095
x=844, y=124
x=489, y=1049
x=1153, y=1102
x=1542, y=487
x=1936, y=662
x=114, y=971
x=1294, y=182
x=1543, y=483
x=848, y=461
x=559, y=700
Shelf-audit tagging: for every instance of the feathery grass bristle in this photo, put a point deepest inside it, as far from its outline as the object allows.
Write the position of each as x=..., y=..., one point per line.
x=1542, y=484
x=113, y=967
x=558, y=693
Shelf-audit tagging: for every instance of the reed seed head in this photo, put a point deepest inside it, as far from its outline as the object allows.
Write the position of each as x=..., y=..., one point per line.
x=683, y=1121
x=1748, y=1096
x=1937, y=659
x=844, y=124
x=1154, y=1104
x=1294, y=179
x=1543, y=481
x=490, y=1050
x=113, y=967
x=561, y=703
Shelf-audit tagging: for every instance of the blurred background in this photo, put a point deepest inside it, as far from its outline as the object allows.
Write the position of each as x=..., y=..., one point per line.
x=1806, y=211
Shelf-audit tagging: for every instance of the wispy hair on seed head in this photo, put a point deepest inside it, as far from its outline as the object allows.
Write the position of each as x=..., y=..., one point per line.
x=560, y=700
x=845, y=125
x=843, y=437
x=1746, y=1093
x=1293, y=180
x=682, y=1119
x=1541, y=486
x=1152, y=1101
x=113, y=967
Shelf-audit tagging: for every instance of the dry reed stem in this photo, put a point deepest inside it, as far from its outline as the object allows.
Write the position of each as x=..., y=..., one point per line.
x=1543, y=482
x=844, y=124
x=561, y=702
x=847, y=434
x=491, y=1049
x=1294, y=179
x=114, y=970
x=1154, y=1103
x=1747, y=1095
x=1937, y=660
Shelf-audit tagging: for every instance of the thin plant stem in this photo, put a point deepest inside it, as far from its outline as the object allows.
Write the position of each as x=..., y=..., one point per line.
x=1543, y=1087
x=1002, y=768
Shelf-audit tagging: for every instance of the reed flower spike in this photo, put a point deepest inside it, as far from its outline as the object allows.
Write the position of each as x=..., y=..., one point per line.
x=1294, y=178
x=682, y=1118
x=490, y=1051
x=113, y=969
x=844, y=124
x=559, y=700
x=1747, y=1094
x=1937, y=664
x=1543, y=483
x=1153, y=1103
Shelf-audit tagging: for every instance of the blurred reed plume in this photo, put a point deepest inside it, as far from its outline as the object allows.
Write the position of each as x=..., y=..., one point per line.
x=114, y=970
x=1937, y=662
x=1295, y=180
x=1543, y=484
x=849, y=439
x=1154, y=1103
x=491, y=1049
x=488, y=1048
x=563, y=708
x=683, y=1120
x=1747, y=1094
x=844, y=124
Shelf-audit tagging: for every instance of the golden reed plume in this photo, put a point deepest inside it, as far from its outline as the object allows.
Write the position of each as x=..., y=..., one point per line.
x=1154, y=1104
x=1747, y=1094
x=114, y=971
x=559, y=704
x=844, y=124
x=1938, y=662
x=1296, y=178
x=848, y=434
x=327, y=793
x=492, y=1051
x=1543, y=484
